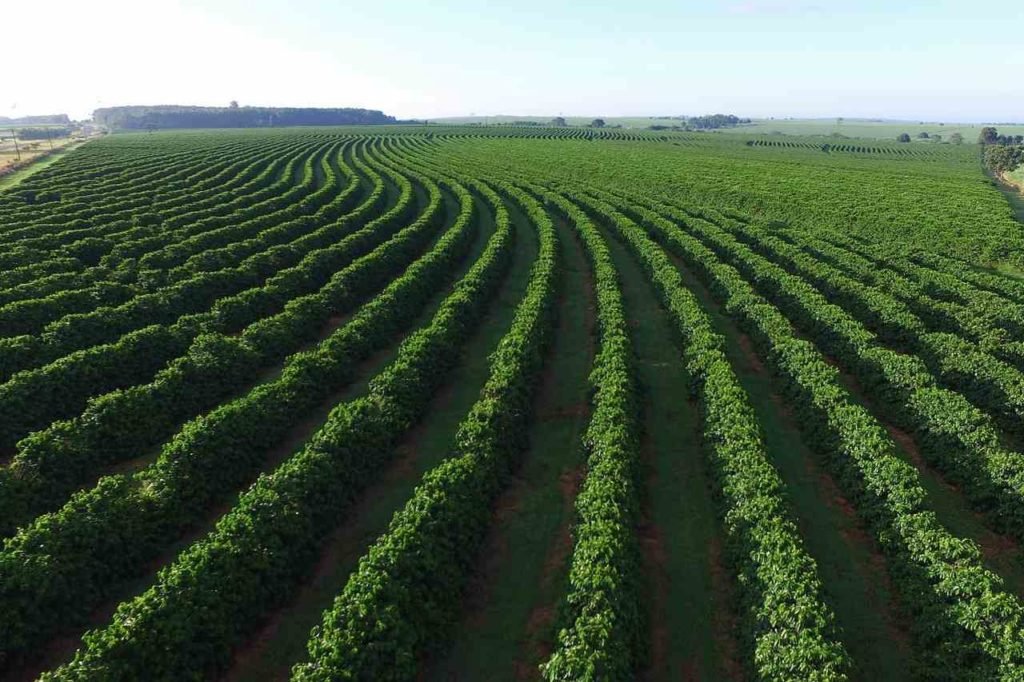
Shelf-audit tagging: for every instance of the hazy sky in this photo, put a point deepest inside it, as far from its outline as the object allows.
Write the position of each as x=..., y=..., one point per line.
x=934, y=60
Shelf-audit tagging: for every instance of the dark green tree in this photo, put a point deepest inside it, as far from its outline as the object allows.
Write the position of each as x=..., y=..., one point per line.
x=904, y=137
x=597, y=123
x=1001, y=158
x=988, y=135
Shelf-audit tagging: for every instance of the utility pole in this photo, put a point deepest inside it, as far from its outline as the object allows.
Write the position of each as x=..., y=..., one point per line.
x=14, y=136
x=50, y=141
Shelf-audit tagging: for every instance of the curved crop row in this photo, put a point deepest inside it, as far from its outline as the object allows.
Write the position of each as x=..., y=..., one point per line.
x=967, y=626
x=406, y=587
x=218, y=589
x=602, y=610
x=956, y=435
x=987, y=382
x=96, y=233
x=790, y=630
x=55, y=568
x=69, y=381
x=50, y=463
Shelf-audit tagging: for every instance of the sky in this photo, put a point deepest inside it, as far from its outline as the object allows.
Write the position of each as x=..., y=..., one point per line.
x=934, y=60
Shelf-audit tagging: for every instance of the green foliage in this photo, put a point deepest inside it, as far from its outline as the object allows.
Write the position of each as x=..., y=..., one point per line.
x=163, y=117
x=1003, y=158
x=604, y=630
x=917, y=196
x=406, y=588
x=211, y=453
x=191, y=297
x=954, y=643
x=785, y=642
x=254, y=538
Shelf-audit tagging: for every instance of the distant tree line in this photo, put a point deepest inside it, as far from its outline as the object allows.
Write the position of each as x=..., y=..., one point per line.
x=49, y=119
x=990, y=135
x=955, y=138
x=43, y=133
x=159, y=117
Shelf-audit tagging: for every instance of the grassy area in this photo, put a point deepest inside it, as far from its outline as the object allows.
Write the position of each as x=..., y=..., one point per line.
x=1012, y=186
x=509, y=617
x=1017, y=178
x=12, y=179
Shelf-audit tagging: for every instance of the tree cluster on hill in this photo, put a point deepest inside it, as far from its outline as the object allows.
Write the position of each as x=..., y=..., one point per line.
x=713, y=121
x=171, y=116
x=48, y=119
x=709, y=122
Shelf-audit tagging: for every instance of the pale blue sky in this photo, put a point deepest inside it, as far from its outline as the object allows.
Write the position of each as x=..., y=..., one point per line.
x=937, y=60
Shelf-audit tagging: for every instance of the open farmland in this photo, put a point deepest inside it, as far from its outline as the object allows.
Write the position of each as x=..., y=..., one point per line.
x=864, y=128
x=435, y=403
x=856, y=128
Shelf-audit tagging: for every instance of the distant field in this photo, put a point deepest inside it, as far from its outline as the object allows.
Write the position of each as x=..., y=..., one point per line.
x=470, y=401
x=624, y=121
x=884, y=130
x=859, y=128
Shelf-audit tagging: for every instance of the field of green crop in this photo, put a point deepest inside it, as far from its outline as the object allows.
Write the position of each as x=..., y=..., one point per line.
x=469, y=403
x=860, y=128
x=807, y=127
